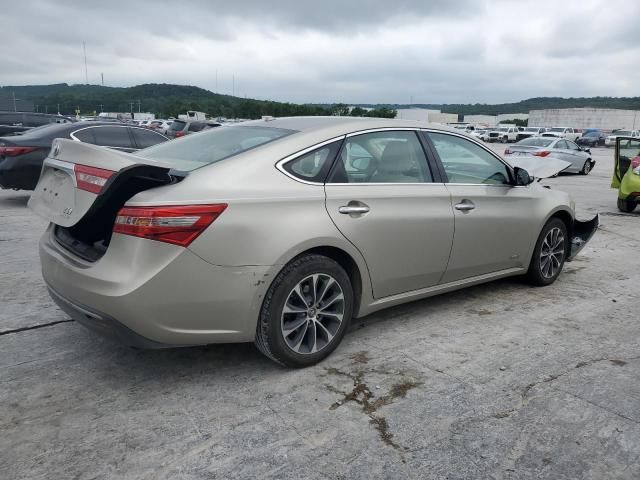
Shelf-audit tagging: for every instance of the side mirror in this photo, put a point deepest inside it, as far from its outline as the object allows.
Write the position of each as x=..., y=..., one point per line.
x=522, y=176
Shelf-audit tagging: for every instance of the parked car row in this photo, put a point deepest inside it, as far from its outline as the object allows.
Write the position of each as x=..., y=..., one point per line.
x=587, y=137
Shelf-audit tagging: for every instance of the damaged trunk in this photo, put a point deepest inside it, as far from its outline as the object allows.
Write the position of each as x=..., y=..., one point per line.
x=82, y=189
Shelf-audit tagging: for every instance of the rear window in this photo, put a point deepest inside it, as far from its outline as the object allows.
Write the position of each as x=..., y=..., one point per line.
x=177, y=125
x=536, y=142
x=196, y=151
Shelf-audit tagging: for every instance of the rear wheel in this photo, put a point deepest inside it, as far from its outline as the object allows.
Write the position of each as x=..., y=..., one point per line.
x=586, y=168
x=305, y=312
x=626, y=205
x=549, y=254
x=505, y=139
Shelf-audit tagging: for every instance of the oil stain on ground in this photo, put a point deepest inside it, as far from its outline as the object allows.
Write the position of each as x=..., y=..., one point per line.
x=363, y=396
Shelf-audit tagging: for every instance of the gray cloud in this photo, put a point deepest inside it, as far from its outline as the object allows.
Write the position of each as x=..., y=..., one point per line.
x=348, y=51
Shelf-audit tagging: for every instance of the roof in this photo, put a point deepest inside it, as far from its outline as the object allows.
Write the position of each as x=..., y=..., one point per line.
x=339, y=125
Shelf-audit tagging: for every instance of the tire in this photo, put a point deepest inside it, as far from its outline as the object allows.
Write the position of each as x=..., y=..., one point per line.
x=586, y=168
x=542, y=273
x=301, y=274
x=505, y=139
x=626, y=205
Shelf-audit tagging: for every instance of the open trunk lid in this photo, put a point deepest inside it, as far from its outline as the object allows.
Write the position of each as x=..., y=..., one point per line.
x=78, y=179
x=537, y=167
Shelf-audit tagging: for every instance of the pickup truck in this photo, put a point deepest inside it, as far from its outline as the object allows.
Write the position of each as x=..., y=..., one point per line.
x=567, y=133
x=610, y=140
x=530, y=132
x=503, y=134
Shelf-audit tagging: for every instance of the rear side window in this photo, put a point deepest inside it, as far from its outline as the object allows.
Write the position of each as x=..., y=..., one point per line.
x=114, y=137
x=177, y=125
x=85, y=135
x=146, y=138
x=195, y=127
x=313, y=166
x=196, y=151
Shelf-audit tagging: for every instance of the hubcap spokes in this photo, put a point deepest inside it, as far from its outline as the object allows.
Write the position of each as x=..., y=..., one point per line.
x=312, y=313
x=552, y=253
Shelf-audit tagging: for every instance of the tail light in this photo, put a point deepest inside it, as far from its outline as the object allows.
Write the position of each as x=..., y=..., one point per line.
x=13, y=151
x=91, y=179
x=179, y=224
x=542, y=153
x=508, y=151
x=179, y=134
x=635, y=165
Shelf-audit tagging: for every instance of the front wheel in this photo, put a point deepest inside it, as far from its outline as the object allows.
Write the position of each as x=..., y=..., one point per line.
x=626, y=205
x=549, y=254
x=586, y=168
x=305, y=312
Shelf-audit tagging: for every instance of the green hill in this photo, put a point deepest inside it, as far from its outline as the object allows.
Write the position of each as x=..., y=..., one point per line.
x=162, y=99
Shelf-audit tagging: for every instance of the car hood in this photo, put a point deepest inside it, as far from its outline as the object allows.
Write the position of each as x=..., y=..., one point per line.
x=540, y=167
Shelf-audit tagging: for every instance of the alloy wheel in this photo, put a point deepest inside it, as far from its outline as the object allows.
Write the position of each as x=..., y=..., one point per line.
x=552, y=253
x=312, y=314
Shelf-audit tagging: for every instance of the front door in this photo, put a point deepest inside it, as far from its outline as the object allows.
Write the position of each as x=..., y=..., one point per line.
x=381, y=196
x=626, y=150
x=493, y=227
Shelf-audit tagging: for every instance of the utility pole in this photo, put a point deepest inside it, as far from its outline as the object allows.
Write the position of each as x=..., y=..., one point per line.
x=58, y=109
x=102, y=77
x=233, y=85
x=138, y=105
x=86, y=72
x=216, y=80
x=101, y=110
x=15, y=109
x=131, y=104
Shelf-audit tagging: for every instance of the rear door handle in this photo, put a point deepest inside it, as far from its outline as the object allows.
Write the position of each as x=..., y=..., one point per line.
x=465, y=206
x=353, y=209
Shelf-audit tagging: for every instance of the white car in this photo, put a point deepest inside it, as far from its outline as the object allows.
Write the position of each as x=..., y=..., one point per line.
x=481, y=134
x=528, y=132
x=610, y=140
x=567, y=133
x=503, y=134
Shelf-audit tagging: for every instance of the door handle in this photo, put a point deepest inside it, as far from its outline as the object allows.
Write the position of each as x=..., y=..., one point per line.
x=465, y=206
x=353, y=209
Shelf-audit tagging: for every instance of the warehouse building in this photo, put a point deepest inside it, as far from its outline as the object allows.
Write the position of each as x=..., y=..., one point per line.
x=426, y=115
x=603, y=118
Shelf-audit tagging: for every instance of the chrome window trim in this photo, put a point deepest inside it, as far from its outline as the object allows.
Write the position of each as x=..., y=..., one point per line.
x=289, y=158
x=280, y=163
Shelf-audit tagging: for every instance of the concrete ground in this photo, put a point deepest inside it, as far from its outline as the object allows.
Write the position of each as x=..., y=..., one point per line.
x=497, y=381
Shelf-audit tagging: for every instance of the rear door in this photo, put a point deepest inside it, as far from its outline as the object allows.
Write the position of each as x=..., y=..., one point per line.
x=493, y=227
x=384, y=198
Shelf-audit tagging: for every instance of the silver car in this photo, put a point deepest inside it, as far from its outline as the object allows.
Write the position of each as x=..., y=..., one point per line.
x=281, y=231
x=552, y=147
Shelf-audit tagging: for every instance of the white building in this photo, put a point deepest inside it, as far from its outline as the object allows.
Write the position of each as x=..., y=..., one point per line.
x=426, y=115
x=604, y=118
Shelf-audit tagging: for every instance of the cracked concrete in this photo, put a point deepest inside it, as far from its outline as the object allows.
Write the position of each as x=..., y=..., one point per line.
x=497, y=381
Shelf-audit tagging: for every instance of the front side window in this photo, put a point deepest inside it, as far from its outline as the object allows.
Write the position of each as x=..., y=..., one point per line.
x=381, y=157
x=466, y=162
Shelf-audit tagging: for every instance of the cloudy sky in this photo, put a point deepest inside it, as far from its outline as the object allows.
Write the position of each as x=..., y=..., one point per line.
x=352, y=51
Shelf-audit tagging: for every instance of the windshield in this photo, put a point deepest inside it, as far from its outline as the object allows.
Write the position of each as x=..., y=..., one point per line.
x=622, y=133
x=591, y=134
x=208, y=147
x=531, y=129
x=503, y=129
x=557, y=129
x=536, y=142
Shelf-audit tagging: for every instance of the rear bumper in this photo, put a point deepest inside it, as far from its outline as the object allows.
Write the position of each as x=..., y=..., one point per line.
x=155, y=295
x=103, y=324
x=22, y=172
